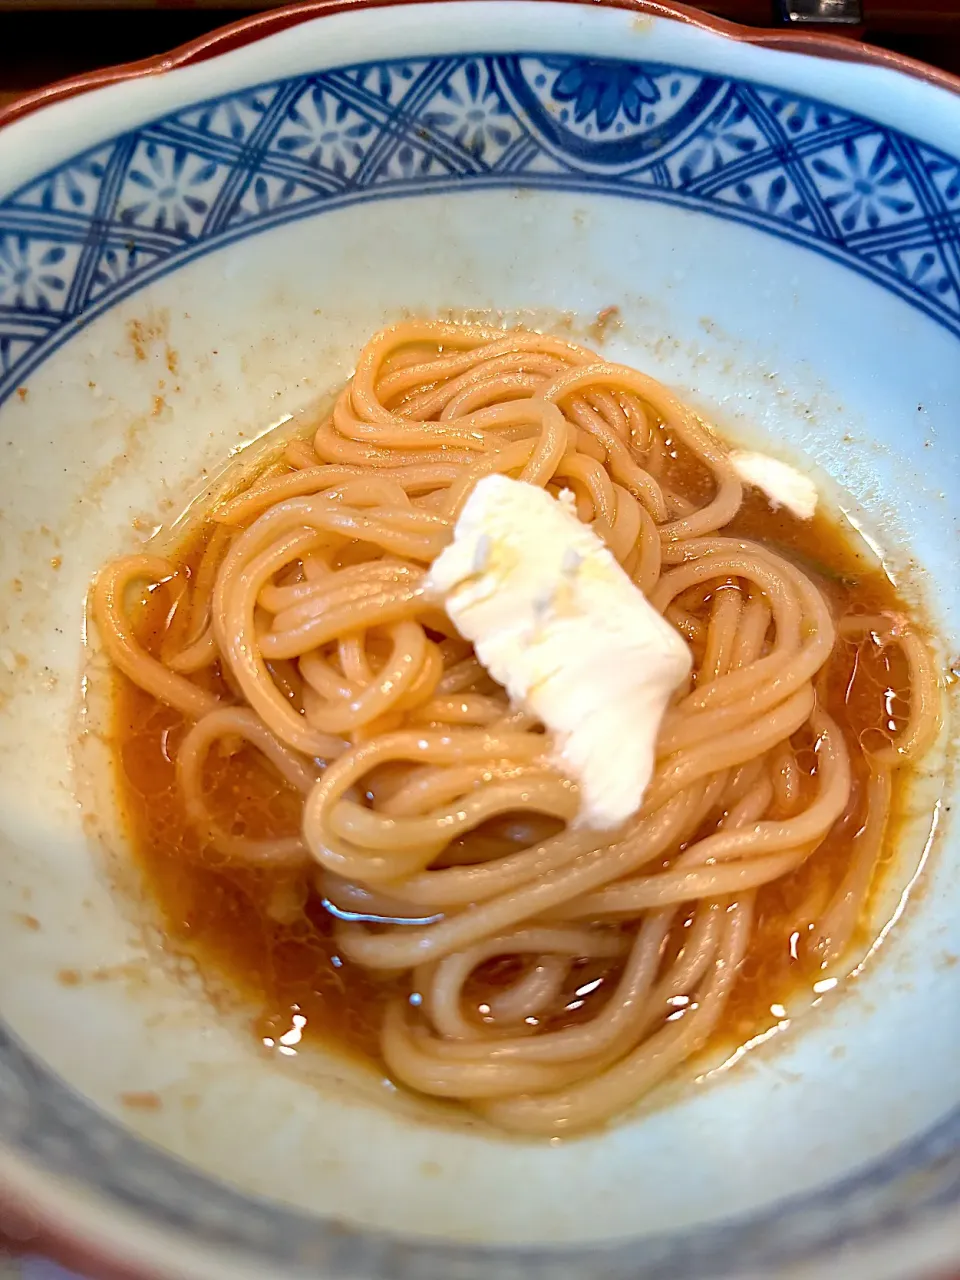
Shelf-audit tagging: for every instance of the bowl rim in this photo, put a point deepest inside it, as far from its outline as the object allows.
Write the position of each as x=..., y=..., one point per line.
x=259, y=26
x=40, y=1226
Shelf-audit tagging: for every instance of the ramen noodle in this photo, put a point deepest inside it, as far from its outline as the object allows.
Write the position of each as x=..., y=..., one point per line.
x=331, y=744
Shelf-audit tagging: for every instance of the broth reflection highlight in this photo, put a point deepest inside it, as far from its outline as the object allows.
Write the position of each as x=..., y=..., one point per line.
x=337, y=807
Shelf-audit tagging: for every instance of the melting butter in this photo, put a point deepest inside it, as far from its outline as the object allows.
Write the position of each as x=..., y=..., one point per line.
x=556, y=621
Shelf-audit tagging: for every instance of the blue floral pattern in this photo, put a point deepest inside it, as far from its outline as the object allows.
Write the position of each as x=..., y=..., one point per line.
x=863, y=183
x=31, y=273
x=600, y=90
x=469, y=108
x=235, y=117
x=321, y=130
x=598, y=111
x=85, y=234
x=168, y=188
x=727, y=137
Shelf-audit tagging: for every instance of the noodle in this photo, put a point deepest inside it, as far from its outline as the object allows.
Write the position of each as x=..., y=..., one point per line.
x=432, y=827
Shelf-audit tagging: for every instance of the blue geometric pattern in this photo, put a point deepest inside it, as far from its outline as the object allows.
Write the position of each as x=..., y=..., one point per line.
x=101, y=225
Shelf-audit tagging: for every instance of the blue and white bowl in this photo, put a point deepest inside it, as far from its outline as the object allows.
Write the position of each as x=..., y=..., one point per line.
x=188, y=255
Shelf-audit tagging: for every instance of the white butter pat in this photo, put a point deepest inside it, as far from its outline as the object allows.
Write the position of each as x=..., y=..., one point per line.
x=557, y=622
x=783, y=485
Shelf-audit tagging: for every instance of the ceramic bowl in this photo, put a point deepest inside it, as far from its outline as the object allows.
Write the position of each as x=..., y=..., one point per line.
x=194, y=249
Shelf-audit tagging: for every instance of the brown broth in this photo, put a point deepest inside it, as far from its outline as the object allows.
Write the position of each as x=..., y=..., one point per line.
x=270, y=942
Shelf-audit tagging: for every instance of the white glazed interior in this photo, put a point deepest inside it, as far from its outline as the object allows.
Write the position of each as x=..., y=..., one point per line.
x=775, y=343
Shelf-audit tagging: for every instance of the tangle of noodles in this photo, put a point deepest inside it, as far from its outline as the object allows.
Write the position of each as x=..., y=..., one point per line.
x=424, y=816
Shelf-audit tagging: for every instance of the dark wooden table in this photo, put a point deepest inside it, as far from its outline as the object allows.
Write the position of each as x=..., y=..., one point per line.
x=53, y=39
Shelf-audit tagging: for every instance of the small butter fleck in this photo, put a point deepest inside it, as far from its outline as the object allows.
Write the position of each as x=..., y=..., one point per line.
x=783, y=485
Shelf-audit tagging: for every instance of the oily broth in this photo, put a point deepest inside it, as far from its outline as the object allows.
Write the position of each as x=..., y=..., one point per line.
x=267, y=937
